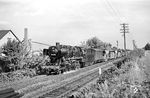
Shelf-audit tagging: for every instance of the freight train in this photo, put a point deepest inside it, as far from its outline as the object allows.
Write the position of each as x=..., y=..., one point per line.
x=65, y=58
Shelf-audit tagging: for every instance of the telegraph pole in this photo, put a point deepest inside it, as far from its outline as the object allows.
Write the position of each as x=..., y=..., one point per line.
x=124, y=29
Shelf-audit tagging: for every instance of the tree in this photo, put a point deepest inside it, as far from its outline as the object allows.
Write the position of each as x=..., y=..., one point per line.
x=147, y=46
x=11, y=48
x=107, y=46
x=13, y=51
x=96, y=43
x=83, y=44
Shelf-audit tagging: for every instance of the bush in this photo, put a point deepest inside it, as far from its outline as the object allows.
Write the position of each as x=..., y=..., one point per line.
x=35, y=61
x=129, y=81
x=4, y=64
x=138, y=53
x=14, y=53
x=16, y=75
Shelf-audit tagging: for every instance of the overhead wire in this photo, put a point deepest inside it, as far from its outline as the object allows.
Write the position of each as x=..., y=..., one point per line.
x=118, y=17
x=114, y=11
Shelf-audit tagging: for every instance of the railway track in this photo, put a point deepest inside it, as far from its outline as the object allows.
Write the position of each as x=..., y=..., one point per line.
x=63, y=91
x=66, y=89
x=66, y=86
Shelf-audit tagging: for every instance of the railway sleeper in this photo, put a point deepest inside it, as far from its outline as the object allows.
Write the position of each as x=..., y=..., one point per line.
x=9, y=93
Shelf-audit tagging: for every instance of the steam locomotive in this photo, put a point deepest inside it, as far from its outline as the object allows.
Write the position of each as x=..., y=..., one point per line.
x=63, y=58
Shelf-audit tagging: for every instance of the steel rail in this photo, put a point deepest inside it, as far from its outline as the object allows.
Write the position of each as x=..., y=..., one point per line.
x=67, y=88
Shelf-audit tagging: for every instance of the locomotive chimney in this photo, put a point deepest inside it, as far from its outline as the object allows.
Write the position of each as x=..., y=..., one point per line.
x=58, y=45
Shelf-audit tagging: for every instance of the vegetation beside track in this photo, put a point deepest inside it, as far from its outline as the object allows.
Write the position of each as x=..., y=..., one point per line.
x=131, y=80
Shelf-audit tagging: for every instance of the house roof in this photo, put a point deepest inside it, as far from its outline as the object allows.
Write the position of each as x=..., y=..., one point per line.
x=3, y=33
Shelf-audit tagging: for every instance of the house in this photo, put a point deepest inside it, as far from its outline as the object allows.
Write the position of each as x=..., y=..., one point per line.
x=6, y=35
x=29, y=45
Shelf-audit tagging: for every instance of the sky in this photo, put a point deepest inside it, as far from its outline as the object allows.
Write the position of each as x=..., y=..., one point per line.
x=72, y=21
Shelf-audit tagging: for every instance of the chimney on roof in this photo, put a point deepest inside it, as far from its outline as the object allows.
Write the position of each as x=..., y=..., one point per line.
x=25, y=40
x=26, y=36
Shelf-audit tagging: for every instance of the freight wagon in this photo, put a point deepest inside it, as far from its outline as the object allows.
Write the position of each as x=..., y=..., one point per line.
x=94, y=56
